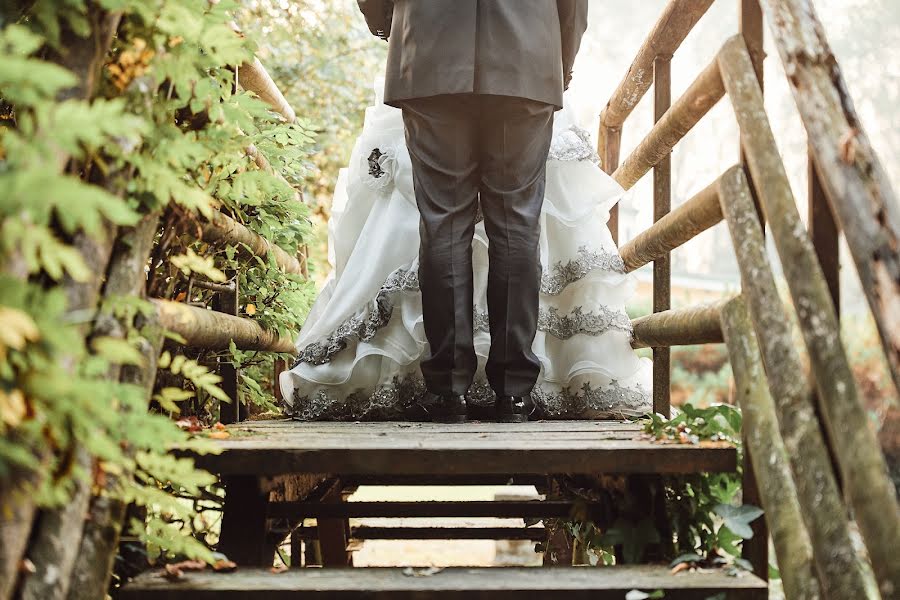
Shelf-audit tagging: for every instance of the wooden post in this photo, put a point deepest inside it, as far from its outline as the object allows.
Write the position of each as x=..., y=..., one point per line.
x=227, y=302
x=244, y=537
x=857, y=450
x=662, y=270
x=770, y=467
x=824, y=233
x=756, y=550
x=703, y=94
x=820, y=501
x=333, y=533
x=609, y=142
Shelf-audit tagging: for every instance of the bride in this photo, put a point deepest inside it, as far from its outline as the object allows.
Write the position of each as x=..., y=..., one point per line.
x=359, y=351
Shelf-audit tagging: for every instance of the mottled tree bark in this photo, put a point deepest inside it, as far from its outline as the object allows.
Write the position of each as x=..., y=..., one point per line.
x=824, y=514
x=100, y=536
x=768, y=456
x=856, y=184
x=858, y=454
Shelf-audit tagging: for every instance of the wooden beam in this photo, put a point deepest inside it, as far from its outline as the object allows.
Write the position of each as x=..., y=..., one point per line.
x=221, y=229
x=674, y=229
x=820, y=501
x=858, y=453
x=670, y=30
x=862, y=199
x=490, y=583
x=662, y=265
x=509, y=509
x=366, y=532
x=769, y=459
x=686, y=112
x=254, y=77
x=214, y=330
x=680, y=327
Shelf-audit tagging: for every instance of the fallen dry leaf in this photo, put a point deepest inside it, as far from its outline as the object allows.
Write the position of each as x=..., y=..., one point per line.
x=278, y=569
x=681, y=567
x=219, y=435
x=219, y=426
x=223, y=565
x=176, y=570
x=191, y=424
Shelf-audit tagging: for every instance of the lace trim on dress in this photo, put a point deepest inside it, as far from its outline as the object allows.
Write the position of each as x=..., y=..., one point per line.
x=573, y=144
x=562, y=274
x=365, y=324
x=565, y=326
x=401, y=399
x=377, y=314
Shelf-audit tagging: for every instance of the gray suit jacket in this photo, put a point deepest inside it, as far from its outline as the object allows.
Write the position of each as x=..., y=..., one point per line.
x=521, y=48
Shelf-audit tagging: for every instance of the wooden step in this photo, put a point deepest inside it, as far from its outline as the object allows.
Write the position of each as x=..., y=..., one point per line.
x=370, y=532
x=585, y=583
x=266, y=448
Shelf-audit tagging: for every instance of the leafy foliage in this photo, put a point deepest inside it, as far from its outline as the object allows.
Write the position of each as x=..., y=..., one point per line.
x=164, y=134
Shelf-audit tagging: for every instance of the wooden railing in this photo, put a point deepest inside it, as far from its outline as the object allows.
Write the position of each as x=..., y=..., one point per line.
x=217, y=326
x=786, y=452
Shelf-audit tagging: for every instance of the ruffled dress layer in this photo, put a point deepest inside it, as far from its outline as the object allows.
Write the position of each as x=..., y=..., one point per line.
x=360, y=349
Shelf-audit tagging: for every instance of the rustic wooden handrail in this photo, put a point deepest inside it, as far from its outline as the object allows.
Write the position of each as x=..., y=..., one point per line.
x=202, y=328
x=679, y=327
x=676, y=21
x=222, y=229
x=703, y=94
x=673, y=230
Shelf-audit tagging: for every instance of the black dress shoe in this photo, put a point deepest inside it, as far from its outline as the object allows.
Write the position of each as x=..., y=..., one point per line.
x=513, y=409
x=446, y=408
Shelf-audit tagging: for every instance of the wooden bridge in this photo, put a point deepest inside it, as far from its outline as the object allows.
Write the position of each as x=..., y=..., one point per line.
x=279, y=473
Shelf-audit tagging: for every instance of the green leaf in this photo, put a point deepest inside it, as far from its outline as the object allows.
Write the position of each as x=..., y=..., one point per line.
x=738, y=518
x=117, y=351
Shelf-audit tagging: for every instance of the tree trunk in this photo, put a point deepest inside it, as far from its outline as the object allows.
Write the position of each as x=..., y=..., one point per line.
x=769, y=457
x=862, y=465
x=125, y=278
x=823, y=511
x=856, y=185
x=55, y=540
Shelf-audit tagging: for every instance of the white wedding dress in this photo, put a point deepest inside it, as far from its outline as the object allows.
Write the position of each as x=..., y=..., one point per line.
x=360, y=348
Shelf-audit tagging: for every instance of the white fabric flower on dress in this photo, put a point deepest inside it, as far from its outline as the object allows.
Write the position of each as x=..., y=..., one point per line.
x=378, y=166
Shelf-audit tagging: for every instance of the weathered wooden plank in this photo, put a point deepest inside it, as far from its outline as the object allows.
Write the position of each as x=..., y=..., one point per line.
x=611, y=583
x=680, y=327
x=602, y=457
x=367, y=532
x=501, y=509
x=404, y=426
x=670, y=30
x=686, y=112
x=863, y=468
x=243, y=537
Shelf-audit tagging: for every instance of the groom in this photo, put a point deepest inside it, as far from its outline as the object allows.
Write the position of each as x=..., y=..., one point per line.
x=478, y=82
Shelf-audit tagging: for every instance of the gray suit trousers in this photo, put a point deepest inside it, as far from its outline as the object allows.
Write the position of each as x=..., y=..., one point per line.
x=466, y=148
